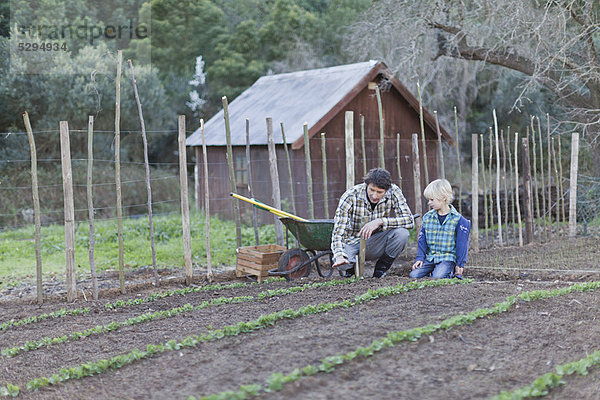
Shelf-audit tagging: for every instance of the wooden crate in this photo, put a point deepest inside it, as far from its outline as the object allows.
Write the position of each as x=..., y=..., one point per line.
x=258, y=260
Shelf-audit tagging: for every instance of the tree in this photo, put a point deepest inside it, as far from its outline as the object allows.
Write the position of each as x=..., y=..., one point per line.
x=183, y=30
x=550, y=43
x=76, y=86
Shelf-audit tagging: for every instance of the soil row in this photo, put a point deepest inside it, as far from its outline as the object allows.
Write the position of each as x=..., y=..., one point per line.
x=251, y=358
x=475, y=361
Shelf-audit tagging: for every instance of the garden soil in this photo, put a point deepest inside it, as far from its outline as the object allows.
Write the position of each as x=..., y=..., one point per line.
x=502, y=352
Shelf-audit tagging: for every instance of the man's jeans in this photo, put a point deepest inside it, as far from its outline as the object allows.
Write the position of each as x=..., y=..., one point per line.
x=389, y=241
x=441, y=270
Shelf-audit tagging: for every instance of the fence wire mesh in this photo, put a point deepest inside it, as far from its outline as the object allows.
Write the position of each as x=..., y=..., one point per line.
x=588, y=204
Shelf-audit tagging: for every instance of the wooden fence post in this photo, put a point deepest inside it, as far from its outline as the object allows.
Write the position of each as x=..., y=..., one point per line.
x=36, y=209
x=417, y=181
x=362, y=252
x=573, y=184
x=118, y=170
x=65, y=151
x=290, y=176
x=549, y=177
x=185, y=206
x=474, y=194
x=485, y=196
x=562, y=191
x=542, y=174
x=349, y=140
x=517, y=201
x=209, y=274
x=308, y=163
x=510, y=177
x=557, y=178
x=398, y=156
x=440, y=157
x=505, y=182
x=324, y=157
x=147, y=169
x=527, y=190
x=458, y=161
x=362, y=142
x=491, y=192
x=90, y=201
x=274, y=180
x=535, y=187
x=498, y=208
x=423, y=133
x=289, y=168
x=381, y=124
x=197, y=178
x=250, y=190
x=236, y=204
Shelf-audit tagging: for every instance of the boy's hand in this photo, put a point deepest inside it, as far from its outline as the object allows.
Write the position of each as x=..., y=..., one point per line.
x=417, y=265
x=458, y=270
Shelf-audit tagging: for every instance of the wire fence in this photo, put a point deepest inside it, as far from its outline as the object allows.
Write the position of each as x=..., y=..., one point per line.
x=588, y=203
x=550, y=213
x=543, y=188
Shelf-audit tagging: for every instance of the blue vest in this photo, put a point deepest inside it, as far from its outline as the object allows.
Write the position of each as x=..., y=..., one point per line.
x=441, y=238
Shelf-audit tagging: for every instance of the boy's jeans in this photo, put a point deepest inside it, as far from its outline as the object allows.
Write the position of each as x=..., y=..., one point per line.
x=441, y=270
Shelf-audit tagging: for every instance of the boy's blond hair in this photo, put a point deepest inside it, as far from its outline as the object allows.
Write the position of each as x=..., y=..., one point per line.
x=439, y=189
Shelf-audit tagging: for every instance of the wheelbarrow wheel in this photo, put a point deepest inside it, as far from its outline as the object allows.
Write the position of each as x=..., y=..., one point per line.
x=291, y=259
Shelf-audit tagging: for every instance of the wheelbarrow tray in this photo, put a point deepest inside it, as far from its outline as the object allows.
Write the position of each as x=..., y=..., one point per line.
x=314, y=234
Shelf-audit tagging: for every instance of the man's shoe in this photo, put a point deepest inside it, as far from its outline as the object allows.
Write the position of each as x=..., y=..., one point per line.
x=379, y=273
x=383, y=264
x=349, y=273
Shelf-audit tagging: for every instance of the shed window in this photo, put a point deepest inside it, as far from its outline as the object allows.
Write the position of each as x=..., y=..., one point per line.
x=241, y=169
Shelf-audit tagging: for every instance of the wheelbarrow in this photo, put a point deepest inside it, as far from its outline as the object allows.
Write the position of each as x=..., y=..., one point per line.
x=315, y=238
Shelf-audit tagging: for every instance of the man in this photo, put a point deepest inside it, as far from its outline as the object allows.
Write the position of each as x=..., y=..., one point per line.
x=386, y=232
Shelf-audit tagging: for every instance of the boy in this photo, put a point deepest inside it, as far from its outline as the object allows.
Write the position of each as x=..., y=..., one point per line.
x=443, y=242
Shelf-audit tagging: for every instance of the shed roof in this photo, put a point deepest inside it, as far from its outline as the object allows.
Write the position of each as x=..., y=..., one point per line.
x=312, y=96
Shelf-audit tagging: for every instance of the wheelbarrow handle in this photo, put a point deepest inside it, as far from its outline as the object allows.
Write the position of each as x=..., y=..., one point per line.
x=276, y=211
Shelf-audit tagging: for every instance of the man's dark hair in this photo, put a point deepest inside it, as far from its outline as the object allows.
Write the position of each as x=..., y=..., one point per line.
x=379, y=177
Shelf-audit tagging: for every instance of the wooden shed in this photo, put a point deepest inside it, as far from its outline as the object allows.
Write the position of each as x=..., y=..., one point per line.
x=319, y=97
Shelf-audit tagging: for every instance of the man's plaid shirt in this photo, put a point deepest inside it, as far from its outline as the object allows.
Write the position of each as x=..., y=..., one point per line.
x=354, y=205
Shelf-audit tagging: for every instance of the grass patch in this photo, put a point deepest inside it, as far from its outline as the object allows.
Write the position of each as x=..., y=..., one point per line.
x=17, y=247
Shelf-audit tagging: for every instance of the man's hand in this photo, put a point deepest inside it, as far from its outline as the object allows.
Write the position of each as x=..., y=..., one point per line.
x=458, y=270
x=417, y=265
x=339, y=261
x=370, y=227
